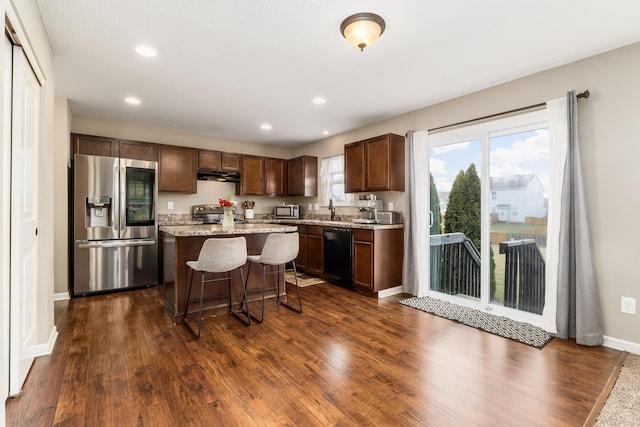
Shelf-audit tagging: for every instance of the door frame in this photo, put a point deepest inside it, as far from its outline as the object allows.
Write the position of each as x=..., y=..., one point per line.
x=482, y=132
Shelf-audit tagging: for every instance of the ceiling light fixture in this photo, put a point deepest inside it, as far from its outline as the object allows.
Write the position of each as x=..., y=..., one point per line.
x=265, y=126
x=132, y=100
x=362, y=29
x=319, y=100
x=146, y=51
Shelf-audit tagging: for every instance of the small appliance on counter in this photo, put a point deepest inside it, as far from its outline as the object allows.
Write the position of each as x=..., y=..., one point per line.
x=368, y=207
x=388, y=217
x=212, y=214
x=286, y=211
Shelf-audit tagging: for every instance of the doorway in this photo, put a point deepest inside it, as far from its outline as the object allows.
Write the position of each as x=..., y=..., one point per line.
x=488, y=213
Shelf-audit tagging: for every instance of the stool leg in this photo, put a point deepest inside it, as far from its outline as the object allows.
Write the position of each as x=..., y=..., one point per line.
x=286, y=304
x=201, y=298
x=186, y=304
x=229, y=286
x=244, y=302
x=262, y=303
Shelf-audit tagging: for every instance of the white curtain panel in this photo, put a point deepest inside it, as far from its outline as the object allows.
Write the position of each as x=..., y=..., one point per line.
x=415, y=272
x=328, y=167
x=558, y=146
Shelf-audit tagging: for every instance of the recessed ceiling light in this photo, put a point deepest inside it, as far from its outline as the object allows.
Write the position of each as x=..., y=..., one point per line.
x=146, y=51
x=132, y=100
x=319, y=100
x=326, y=132
x=265, y=126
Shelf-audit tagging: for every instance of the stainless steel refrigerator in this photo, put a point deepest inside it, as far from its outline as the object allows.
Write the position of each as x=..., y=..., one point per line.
x=114, y=224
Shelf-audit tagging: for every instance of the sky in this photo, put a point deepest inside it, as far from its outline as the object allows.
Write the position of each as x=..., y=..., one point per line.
x=514, y=154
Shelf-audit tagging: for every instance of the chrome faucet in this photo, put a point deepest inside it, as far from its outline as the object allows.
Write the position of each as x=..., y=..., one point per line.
x=332, y=209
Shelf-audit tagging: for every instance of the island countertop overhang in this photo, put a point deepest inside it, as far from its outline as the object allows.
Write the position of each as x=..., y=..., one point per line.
x=217, y=230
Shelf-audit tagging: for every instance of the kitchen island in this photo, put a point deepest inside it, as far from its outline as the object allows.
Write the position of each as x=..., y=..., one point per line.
x=182, y=243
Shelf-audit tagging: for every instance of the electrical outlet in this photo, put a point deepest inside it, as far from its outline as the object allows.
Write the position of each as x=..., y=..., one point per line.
x=316, y=207
x=310, y=206
x=169, y=205
x=628, y=305
x=390, y=206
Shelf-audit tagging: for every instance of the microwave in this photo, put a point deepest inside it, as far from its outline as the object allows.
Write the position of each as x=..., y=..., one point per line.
x=287, y=211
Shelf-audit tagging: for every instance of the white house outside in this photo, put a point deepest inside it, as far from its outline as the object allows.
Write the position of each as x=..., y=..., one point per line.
x=515, y=197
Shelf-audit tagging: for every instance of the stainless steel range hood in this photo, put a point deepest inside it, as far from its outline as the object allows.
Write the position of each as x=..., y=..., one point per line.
x=220, y=176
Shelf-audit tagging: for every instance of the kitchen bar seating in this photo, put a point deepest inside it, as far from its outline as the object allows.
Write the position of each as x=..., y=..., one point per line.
x=279, y=249
x=219, y=255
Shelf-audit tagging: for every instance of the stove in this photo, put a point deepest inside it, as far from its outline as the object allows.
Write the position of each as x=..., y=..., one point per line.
x=212, y=214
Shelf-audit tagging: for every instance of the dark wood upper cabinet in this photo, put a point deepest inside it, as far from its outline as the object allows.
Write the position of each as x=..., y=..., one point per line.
x=138, y=150
x=274, y=177
x=177, y=169
x=208, y=159
x=302, y=176
x=262, y=176
x=218, y=161
x=94, y=145
x=375, y=164
x=252, y=176
x=354, y=167
x=230, y=162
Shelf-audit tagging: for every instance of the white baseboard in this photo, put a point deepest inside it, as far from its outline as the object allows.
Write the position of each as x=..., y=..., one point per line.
x=622, y=345
x=388, y=292
x=47, y=349
x=62, y=296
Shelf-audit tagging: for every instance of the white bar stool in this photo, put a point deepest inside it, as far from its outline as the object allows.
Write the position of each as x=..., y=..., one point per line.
x=279, y=249
x=219, y=255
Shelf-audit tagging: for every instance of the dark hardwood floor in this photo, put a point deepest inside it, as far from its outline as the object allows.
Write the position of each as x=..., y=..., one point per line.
x=347, y=360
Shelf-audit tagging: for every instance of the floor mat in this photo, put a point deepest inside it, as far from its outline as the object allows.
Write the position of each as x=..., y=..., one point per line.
x=303, y=279
x=498, y=325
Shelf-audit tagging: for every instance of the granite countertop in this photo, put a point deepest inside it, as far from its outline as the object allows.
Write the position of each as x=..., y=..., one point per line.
x=326, y=223
x=180, y=222
x=216, y=230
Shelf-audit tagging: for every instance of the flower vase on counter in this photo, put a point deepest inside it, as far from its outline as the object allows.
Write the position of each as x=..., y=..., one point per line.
x=227, y=219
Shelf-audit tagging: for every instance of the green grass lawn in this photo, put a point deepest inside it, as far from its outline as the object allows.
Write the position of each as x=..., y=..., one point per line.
x=504, y=227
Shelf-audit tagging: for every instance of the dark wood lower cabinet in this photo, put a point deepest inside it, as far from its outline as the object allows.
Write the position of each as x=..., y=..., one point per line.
x=315, y=250
x=301, y=260
x=377, y=259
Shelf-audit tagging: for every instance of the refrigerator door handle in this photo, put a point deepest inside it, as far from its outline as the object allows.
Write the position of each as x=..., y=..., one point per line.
x=115, y=244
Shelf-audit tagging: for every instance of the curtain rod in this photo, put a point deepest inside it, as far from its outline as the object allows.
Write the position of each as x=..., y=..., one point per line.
x=584, y=95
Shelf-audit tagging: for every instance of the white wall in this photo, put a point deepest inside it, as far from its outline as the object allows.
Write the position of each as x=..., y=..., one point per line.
x=62, y=124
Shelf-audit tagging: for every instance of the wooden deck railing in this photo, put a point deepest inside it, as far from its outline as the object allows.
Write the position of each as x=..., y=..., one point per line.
x=455, y=265
x=524, y=281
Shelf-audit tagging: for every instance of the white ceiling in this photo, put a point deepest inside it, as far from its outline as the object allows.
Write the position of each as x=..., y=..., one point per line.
x=225, y=67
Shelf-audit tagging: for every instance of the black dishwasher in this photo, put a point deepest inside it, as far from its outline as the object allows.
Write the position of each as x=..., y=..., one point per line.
x=338, y=256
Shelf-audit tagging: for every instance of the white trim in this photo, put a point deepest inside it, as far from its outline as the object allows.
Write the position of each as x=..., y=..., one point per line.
x=61, y=296
x=21, y=38
x=388, y=292
x=621, y=345
x=47, y=349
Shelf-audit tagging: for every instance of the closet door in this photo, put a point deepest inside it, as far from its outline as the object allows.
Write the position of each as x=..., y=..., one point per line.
x=25, y=119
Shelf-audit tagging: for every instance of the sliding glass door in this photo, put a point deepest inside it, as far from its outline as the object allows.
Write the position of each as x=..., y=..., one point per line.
x=488, y=214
